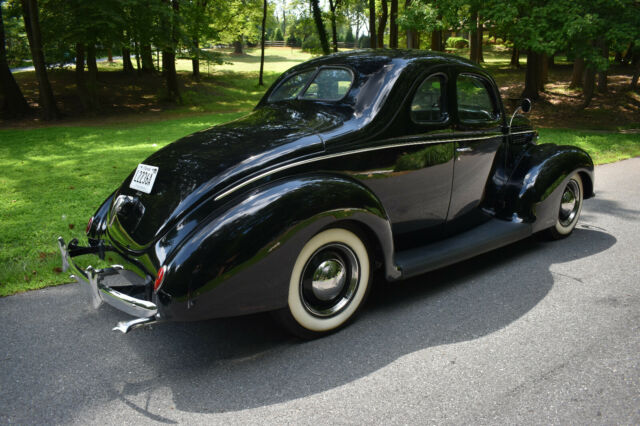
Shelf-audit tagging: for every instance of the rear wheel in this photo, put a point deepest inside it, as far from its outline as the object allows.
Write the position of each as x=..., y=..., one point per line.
x=329, y=283
x=569, y=209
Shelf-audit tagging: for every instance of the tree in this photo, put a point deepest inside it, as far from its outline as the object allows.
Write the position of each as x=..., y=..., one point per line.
x=264, y=21
x=322, y=34
x=14, y=104
x=393, y=25
x=382, y=22
x=170, y=23
x=333, y=5
x=373, y=41
x=32, y=27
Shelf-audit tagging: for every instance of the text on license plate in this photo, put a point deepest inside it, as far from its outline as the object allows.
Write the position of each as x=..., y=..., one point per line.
x=143, y=178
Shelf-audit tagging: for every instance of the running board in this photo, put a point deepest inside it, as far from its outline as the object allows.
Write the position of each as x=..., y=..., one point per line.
x=481, y=239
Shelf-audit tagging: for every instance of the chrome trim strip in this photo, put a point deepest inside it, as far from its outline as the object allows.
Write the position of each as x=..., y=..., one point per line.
x=522, y=132
x=342, y=154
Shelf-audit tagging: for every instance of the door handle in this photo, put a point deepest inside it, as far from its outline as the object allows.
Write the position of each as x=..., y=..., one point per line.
x=464, y=149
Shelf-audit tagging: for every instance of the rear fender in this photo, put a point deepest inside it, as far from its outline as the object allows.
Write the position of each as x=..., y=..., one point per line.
x=534, y=189
x=240, y=259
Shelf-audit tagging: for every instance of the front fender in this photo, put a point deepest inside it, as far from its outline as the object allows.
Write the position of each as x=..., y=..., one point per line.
x=534, y=189
x=239, y=260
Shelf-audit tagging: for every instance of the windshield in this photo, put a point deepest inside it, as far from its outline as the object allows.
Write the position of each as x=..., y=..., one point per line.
x=328, y=84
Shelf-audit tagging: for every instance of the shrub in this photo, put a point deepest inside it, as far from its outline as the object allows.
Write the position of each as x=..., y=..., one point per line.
x=457, y=42
x=312, y=44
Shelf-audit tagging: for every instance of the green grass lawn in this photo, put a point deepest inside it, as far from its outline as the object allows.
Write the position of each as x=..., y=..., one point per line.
x=54, y=179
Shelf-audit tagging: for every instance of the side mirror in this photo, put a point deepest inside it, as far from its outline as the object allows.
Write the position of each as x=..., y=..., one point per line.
x=525, y=106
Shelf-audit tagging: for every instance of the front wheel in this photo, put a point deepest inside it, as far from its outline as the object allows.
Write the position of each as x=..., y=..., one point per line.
x=569, y=209
x=329, y=283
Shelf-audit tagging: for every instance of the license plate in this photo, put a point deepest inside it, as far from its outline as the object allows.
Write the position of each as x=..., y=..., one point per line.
x=143, y=178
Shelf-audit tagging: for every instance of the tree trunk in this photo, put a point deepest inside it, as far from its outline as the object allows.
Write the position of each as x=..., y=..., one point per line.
x=32, y=27
x=14, y=104
x=333, y=4
x=317, y=17
x=479, y=34
x=532, y=78
x=92, y=74
x=393, y=25
x=373, y=41
x=635, y=61
x=109, y=55
x=602, y=75
x=169, y=57
x=195, y=61
x=264, y=22
x=137, y=50
x=238, y=46
x=544, y=71
x=515, y=57
x=147, y=59
x=628, y=57
x=578, y=73
x=436, y=41
x=589, y=83
x=127, y=66
x=473, y=38
x=81, y=84
x=382, y=23
x=92, y=66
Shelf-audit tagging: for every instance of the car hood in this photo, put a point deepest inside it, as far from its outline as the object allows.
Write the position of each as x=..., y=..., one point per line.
x=201, y=165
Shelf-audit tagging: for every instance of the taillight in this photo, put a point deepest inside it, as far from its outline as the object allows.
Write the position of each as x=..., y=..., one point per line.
x=86, y=231
x=159, y=278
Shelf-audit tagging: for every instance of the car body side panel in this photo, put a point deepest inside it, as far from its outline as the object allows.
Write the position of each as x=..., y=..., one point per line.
x=240, y=260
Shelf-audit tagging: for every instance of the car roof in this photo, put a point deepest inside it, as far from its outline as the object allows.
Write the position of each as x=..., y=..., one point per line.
x=370, y=60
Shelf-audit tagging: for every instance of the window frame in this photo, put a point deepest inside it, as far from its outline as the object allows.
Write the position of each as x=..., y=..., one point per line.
x=489, y=88
x=314, y=74
x=445, y=103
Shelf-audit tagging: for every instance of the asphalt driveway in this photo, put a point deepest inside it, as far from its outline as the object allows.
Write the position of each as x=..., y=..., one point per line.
x=535, y=332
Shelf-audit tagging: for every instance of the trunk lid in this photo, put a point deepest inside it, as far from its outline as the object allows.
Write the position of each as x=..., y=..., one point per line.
x=202, y=164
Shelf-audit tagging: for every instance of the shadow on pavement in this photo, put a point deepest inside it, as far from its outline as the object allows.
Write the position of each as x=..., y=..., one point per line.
x=247, y=362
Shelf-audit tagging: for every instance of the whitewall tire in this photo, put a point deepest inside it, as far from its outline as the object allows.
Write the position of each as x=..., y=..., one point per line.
x=329, y=282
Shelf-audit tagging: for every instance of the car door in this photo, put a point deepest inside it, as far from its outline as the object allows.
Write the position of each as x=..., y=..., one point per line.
x=478, y=133
x=419, y=159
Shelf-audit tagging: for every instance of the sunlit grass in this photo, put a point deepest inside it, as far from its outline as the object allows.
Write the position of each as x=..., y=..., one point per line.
x=604, y=147
x=54, y=179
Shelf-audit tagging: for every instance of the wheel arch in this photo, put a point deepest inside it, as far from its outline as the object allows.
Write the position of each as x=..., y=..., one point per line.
x=536, y=184
x=237, y=262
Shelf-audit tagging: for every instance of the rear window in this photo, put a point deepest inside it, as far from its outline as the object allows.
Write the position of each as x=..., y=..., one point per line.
x=328, y=84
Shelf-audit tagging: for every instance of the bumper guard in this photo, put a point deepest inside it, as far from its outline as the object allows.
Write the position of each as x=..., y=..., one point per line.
x=99, y=283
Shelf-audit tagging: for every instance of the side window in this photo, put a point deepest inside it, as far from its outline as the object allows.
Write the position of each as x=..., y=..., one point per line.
x=291, y=87
x=474, y=100
x=330, y=84
x=428, y=104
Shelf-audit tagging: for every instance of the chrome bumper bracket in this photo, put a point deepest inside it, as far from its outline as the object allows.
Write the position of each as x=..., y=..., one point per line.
x=93, y=280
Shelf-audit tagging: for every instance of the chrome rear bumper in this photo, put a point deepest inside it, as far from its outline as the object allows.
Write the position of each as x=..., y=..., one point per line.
x=99, y=284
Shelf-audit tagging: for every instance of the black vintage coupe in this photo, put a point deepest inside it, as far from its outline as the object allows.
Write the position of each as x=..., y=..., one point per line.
x=401, y=161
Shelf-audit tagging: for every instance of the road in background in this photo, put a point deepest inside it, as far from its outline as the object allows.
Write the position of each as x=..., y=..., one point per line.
x=535, y=332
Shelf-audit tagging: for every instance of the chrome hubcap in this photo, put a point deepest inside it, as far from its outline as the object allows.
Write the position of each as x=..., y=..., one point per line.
x=570, y=203
x=329, y=280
